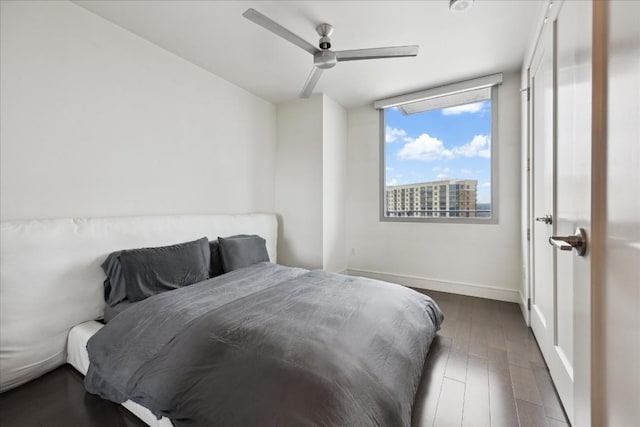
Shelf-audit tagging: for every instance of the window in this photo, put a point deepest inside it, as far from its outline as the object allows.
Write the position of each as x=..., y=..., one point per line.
x=438, y=154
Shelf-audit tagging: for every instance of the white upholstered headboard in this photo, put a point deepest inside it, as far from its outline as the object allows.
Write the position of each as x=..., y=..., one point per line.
x=51, y=280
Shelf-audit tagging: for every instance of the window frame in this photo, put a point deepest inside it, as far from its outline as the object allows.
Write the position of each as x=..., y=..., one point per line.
x=445, y=220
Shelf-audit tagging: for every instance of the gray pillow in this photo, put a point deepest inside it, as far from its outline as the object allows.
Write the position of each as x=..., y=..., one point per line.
x=242, y=251
x=150, y=271
x=216, y=262
x=115, y=287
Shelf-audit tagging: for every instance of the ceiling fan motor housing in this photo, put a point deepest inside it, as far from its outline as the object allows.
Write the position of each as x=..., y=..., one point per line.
x=325, y=59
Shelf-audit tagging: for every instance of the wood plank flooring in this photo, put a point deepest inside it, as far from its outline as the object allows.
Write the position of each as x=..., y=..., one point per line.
x=483, y=369
x=58, y=399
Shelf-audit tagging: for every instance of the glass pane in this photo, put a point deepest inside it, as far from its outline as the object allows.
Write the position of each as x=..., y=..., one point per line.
x=438, y=162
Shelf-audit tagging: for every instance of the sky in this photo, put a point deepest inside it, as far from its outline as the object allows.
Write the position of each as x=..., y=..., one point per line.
x=449, y=143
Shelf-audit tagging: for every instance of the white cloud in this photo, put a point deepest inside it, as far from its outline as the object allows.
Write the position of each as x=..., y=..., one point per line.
x=476, y=107
x=444, y=174
x=392, y=182
x=425, y=148
x=466, y=172
x=392, y=134
x=428, y=148
x=486, y=184
x=479, y=146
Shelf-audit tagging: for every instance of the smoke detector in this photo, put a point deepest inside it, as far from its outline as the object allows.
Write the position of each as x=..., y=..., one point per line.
x=460, y=5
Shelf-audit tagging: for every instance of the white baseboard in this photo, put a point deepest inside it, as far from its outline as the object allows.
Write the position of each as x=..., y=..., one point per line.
x=470, y=289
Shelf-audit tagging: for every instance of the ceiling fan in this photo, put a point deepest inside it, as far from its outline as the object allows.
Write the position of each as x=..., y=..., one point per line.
x=324, y=57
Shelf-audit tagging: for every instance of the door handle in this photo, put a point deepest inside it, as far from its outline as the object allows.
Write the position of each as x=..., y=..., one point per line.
x=547, y=219
x=565, y=243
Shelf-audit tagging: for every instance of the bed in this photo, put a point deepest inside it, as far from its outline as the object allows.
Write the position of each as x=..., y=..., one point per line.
x=263, y=344
x=78, y=357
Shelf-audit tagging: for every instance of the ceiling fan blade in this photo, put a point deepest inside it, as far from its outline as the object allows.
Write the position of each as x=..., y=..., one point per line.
x=377, y=52
x=268, y=24
x=311, y=82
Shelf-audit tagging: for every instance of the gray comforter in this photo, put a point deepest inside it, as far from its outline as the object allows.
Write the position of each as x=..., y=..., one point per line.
x=269, y=345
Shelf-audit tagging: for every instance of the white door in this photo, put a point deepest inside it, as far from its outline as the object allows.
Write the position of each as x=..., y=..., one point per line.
x=542, y=86
x=561, y=123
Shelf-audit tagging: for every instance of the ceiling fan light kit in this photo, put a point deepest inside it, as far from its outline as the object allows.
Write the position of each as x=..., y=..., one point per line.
x=324, y=57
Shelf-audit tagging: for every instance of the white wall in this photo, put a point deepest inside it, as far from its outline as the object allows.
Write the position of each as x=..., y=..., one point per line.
x=334, y=167
x=298, y=198
x=311, y=165
x=96, y=121
x=473, y=259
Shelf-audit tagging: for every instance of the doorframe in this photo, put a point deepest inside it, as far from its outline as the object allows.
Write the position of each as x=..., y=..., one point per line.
x=589, y=379
x=547, y=12
x=527, y=152
x=526, y=205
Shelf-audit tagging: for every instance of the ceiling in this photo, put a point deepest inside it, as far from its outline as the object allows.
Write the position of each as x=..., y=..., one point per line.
x=490, y=37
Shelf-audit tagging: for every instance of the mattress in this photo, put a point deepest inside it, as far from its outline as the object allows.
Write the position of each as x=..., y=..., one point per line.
x=78, y=357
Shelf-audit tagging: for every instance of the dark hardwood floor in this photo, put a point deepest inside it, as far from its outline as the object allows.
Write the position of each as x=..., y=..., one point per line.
x=484, y=368
x=58, y=399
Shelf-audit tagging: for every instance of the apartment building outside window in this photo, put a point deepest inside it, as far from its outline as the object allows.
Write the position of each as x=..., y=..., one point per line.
x=438, y=154
x=437, y=199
